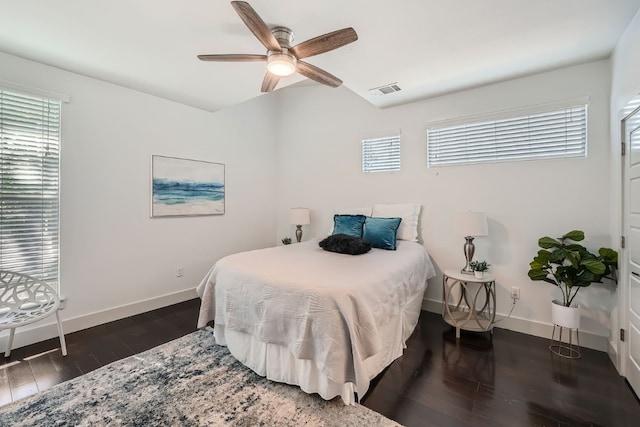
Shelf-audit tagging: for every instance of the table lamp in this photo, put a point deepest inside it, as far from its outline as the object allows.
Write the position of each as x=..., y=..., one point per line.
x=299, y=217
x=470, y=224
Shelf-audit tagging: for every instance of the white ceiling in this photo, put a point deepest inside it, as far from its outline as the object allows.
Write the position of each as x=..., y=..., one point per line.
x=429, y=47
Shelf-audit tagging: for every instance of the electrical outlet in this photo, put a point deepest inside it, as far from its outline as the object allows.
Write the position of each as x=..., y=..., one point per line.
x=515, y=293
x=179, y=272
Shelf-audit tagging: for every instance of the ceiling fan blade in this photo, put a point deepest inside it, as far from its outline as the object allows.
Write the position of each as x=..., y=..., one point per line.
x=257, y=26
x=270, y=82
x=324, y=43
x=317, y=74
x=232, y=58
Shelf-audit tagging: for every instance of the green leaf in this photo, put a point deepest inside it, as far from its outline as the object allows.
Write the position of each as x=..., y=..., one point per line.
x=594, y=266
x=537, y=274
x=543, y=256
x=549, y=242
x=586, y=278
x=572, y=259
x=609, y=255
x=535, y=265
x=575, y=235
x=586, y=256
x=576, y=247
x=557, y=257
x=565, y=275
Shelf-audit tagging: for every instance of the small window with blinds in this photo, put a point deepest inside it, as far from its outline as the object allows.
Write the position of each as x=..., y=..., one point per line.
x=29, y=185
x=381, y=154
x=558, y=132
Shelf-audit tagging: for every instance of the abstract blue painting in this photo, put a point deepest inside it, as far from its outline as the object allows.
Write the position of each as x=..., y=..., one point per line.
x=181, y=187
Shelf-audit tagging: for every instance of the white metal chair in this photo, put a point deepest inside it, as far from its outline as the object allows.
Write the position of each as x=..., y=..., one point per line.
x=23, y=300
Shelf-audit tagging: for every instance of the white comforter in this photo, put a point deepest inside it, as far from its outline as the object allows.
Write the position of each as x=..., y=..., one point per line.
x=322, y=306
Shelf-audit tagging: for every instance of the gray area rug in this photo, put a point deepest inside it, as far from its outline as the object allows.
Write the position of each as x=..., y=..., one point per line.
x=190, y=381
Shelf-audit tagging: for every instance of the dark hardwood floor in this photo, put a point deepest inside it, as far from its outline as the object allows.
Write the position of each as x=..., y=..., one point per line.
x=39, y=366
x=509, y=379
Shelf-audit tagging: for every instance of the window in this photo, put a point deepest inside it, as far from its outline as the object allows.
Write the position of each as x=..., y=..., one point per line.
x=557, y=132
x=29, y=185
x=381, y=154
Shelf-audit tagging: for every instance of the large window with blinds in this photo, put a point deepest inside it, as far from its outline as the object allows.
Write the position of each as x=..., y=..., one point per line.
x=559, y=131
x=381, y=154
x=29, y=185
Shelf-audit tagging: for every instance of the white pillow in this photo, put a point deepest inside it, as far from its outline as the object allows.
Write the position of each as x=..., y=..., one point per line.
x=349, y=211
x=409, y=212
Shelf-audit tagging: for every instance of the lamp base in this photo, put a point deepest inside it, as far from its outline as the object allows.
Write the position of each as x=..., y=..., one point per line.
x=469, y=249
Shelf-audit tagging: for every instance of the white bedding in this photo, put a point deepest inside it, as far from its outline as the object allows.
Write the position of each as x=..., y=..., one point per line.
x=334, y=310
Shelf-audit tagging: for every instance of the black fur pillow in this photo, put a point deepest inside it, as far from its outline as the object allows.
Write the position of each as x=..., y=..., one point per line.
x=345, y=244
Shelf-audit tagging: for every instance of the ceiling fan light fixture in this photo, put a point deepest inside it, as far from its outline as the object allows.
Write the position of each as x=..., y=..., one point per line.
x=282, y=58
x=281, y=64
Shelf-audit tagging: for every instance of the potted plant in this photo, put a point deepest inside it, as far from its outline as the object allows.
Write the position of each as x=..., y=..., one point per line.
x=479, y=267
x=286, y=241
x=570, y=266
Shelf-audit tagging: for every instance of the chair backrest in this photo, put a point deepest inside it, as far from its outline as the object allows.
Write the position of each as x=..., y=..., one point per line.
x=24, y=299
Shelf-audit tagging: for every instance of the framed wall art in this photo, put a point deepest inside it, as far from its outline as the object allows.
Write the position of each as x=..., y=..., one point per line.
x=183, y=187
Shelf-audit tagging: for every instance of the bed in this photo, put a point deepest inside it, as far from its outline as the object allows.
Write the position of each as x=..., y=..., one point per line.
x=326, y=322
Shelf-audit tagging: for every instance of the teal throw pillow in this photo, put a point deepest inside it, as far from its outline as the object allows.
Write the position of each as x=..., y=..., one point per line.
x=381, y=232
x=351, y=225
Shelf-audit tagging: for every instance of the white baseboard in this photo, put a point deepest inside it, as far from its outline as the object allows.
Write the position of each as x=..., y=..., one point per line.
x=531, y=327
x=47, y=328
x=613, y=355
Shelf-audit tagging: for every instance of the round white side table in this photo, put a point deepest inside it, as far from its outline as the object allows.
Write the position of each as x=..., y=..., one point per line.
x=468, y=303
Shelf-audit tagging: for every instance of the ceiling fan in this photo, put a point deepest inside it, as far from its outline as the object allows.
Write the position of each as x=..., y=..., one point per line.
x=282, y=58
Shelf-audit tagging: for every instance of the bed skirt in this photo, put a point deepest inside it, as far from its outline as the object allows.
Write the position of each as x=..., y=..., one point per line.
x=276, y=362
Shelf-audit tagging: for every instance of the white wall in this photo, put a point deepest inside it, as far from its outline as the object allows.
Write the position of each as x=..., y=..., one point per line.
x=625, y=61
x=116, y=260
x=625, y=85
x=319, y=161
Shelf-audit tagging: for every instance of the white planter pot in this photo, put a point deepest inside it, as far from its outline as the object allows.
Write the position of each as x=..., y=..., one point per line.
x=567, y=317
x=478, y=274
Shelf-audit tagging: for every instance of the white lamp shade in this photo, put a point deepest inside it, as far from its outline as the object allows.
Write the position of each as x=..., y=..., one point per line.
x=471, y=224
x=299, y=216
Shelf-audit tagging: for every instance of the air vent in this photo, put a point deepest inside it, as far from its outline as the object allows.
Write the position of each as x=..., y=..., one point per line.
x=386, y=89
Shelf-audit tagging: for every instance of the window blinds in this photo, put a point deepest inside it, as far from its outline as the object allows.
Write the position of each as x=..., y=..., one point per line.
x=561, y=132
x=381, y=154
x=29, y=185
